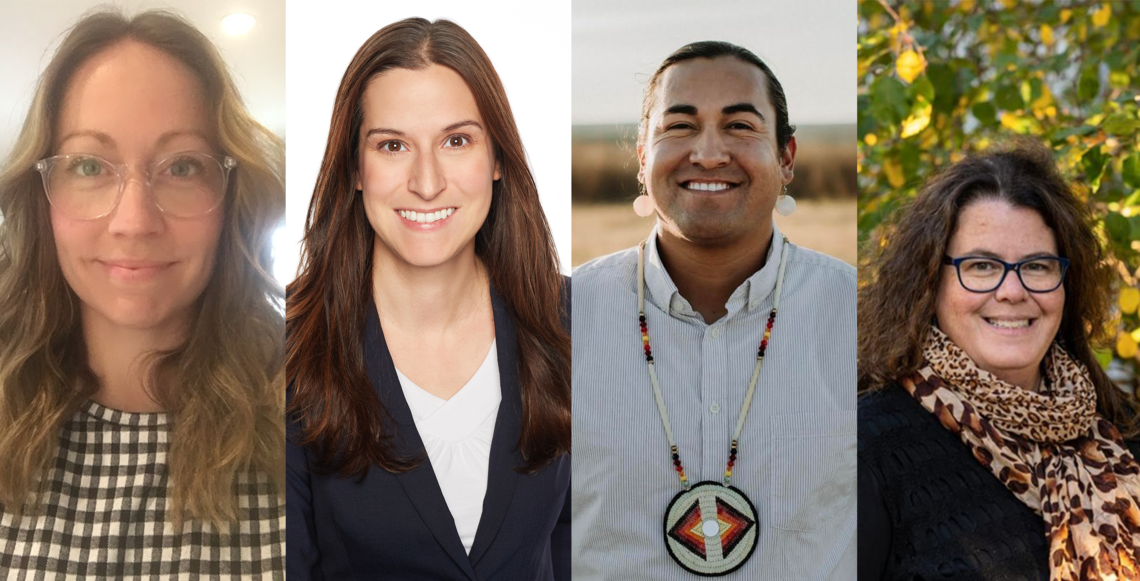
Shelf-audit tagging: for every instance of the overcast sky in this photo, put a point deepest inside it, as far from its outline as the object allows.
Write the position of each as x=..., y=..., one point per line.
x=809, y=44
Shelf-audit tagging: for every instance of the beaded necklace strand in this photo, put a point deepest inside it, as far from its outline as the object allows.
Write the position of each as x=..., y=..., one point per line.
x=751, y=385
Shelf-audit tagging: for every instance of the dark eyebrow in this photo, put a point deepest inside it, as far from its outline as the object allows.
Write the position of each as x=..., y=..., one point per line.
x=448, y=129
x=383, y=131
x=989, y=254
x=467, y=123
x=742, y=108
x=681, y=110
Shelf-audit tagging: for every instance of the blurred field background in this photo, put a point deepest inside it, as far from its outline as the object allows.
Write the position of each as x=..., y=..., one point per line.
x=618, y=45
x=604, y=185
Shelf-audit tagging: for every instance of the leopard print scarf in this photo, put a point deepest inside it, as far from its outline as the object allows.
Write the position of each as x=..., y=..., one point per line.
x=1050, y=449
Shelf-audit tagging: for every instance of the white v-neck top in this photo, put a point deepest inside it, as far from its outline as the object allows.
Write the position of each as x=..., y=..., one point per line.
x=457, y=434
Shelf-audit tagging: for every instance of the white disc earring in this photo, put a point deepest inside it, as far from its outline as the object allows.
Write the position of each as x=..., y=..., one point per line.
x=786, y=204
x=643, y=206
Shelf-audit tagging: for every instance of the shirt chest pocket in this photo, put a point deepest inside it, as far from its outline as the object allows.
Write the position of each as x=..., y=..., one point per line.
x=813, y=477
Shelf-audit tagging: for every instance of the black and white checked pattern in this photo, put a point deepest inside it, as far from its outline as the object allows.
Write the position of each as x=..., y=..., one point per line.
x=104, y=515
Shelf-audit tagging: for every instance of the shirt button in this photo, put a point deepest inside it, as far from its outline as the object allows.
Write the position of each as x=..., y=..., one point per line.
x=715, y=332
x=714, y=408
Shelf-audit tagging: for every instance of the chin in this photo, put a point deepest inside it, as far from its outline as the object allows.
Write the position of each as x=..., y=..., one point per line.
x=1003, y=358
x=139, y=315
x=425, y=252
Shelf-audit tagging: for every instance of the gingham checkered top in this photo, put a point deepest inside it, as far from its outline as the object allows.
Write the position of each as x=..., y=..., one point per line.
x=104, y=515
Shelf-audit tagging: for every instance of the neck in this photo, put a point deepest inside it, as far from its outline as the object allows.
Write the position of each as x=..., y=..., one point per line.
x=428, y=299
x=707, y=275
x=120, y=356
x=1029, y=380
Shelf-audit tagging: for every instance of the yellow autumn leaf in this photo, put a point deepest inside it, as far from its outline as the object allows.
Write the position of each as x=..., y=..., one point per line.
x=1129, y=300
x=894, y=173
x=1066, y=14
x=1009, y=4
x=918, y=120
x=871, y=139
x=967, y=5
x=1126, y=346
x=1136, y=334
x=1101, y=15
x=1047, y=34
x=909, y=65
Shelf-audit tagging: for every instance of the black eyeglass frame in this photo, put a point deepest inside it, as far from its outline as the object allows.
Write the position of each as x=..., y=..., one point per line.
x=1016, y=267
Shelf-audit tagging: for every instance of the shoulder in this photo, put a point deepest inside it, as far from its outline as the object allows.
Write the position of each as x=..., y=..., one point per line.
x=887, y=414
x=606, y=274
x=820, y=267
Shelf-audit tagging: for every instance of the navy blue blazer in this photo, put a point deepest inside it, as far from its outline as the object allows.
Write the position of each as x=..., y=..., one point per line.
x=398, y=526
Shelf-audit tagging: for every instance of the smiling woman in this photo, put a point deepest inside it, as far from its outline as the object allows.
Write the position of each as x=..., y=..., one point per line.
x=427, y=331
x=142, y=357
x=984, y=400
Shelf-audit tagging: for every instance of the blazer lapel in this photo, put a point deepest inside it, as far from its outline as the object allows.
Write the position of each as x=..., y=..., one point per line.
x=501, y=475
x=420, y=484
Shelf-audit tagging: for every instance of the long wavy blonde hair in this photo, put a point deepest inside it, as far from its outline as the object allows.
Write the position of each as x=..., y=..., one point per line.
x=228, y=408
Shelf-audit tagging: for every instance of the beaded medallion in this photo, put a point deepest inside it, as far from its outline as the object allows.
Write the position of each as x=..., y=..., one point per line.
x=711, y=529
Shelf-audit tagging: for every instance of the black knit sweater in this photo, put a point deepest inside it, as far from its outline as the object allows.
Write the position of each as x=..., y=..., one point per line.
x=928, y=510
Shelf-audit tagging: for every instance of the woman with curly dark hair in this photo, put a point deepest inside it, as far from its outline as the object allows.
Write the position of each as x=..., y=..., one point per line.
x=991, y=443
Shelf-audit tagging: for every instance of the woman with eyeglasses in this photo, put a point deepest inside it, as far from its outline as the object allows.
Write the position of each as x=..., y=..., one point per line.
x=991, y=443
x=141, y=333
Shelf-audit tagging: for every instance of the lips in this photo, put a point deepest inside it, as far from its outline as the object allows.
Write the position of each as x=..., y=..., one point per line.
x=708, y=185
x=1009, y=323
x=428, y=220
x=133, y=271
x=426, y=217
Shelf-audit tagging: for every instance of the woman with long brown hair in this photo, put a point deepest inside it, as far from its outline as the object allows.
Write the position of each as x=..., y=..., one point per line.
x=991, y=443
x=428, y=351
x=142, y=359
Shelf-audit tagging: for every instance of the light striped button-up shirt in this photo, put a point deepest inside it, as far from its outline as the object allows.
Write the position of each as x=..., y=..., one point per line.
x=796, y=458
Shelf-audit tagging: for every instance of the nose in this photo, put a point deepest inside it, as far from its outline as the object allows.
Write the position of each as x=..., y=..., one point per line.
x=136, y=213
x=709, y=150
x=1011, y=289
x=427, y=176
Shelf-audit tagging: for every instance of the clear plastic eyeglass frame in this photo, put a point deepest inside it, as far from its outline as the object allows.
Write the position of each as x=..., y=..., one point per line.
x=225, y=164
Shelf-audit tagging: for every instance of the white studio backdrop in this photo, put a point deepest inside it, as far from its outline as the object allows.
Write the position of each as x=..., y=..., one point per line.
x=527, y=42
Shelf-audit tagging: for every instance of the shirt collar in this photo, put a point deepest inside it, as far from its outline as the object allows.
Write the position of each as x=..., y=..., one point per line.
x=662, y=292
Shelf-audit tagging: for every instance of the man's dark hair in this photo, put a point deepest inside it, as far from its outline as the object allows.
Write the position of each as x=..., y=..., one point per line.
x=711, y=49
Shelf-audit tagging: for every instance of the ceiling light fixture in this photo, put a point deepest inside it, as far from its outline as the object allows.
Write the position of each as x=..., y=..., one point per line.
x=237, y=24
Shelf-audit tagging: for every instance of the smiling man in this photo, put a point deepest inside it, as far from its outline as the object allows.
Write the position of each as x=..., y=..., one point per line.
x=714, y=365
